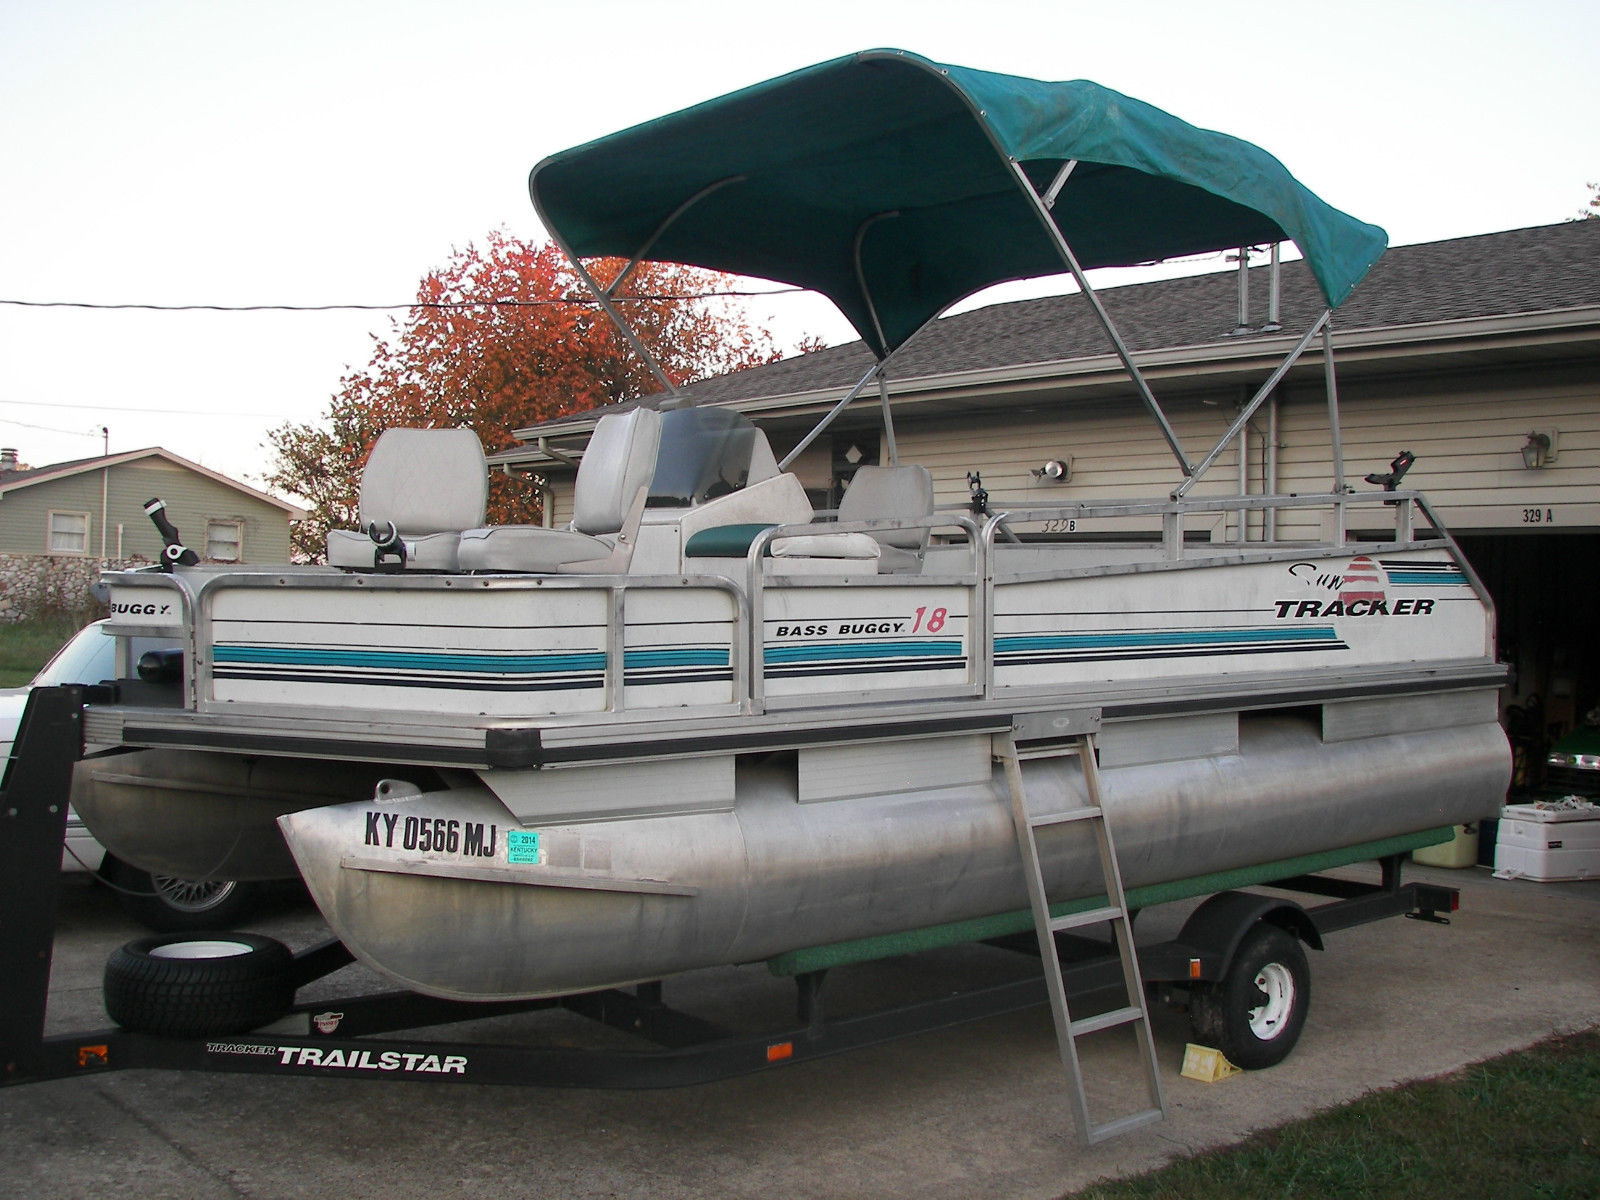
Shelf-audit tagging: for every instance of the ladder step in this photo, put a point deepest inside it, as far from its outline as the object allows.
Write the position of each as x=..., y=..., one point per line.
x=1089, y=916
x=1048, y=750
x=1127, y=1124
x=1108, y=1020
x=1087, y=813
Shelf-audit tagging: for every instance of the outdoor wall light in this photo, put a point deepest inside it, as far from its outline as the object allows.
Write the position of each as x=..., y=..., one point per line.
x=1540, y=449
x=1057, y=469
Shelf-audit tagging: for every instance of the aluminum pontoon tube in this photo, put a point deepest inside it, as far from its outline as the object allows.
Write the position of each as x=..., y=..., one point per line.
x=198, y=815
x=621, y=901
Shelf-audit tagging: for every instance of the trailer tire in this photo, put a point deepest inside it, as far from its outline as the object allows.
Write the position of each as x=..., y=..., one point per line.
x=1255, y=1012
x=184, y=986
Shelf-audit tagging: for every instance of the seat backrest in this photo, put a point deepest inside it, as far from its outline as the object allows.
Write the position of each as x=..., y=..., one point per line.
x=879, y=493
x=780, y=500
x=425, y=481
x=763, y=463
x=620, y=459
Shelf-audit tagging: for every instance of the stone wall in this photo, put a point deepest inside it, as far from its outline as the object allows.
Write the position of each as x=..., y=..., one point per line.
x=44, y=585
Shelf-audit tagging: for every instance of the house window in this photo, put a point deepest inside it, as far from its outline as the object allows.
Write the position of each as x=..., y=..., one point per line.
x=68, y=533
x=224, y=540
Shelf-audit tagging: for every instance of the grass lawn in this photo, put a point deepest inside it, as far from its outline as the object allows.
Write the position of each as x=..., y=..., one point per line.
x=1525, y=1125
x=27, y=645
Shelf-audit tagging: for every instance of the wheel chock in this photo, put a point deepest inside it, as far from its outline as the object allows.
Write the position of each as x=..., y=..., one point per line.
x=1206, y=1065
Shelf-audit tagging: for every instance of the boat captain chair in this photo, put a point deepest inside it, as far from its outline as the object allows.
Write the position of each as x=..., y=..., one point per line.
x=419, y=490
x=896, y=493
x=607, y=507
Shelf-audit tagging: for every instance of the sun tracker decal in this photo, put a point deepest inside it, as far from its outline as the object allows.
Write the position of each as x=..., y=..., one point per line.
x=1362, y=581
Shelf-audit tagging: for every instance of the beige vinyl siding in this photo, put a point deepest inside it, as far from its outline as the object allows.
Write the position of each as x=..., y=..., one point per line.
x=559, y=498
x=192, y=499
x=1116, y=455
x=1467, y=432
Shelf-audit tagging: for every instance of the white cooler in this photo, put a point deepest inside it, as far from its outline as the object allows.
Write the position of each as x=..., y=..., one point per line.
x=1548, y=842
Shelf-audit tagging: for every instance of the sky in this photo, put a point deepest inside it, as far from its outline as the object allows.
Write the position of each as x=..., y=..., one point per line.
x=333, y=152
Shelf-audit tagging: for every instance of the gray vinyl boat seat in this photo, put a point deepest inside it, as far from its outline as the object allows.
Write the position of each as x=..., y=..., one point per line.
x=419, y=490
x=607, y=507
x=903, y=492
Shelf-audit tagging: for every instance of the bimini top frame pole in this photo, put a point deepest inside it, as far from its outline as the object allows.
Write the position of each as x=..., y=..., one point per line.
x=606, y=297
x=1266, y=389
x=1042, y=206
x=1192, y=474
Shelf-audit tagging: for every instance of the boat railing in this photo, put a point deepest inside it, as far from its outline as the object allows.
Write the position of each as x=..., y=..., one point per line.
x=968, y=579
x=958, y=580
x=1173, y=518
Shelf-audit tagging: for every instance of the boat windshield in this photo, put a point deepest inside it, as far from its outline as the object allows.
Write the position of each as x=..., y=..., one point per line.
x=705, y=453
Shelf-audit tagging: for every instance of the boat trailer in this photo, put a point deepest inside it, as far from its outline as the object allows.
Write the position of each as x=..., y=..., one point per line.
x=346, y=1036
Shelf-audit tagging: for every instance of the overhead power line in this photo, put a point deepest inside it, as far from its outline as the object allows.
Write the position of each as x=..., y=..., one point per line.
x=95, y=432
x=440, y=304
x=117, y=410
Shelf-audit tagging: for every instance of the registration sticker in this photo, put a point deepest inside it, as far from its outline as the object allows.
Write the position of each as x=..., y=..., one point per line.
x=522, y=846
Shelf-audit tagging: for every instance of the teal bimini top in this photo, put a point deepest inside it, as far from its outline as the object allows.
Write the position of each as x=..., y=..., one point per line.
x=888, y=176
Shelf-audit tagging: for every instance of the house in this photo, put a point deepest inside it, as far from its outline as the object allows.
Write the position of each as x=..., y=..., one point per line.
x=60, y=523
x=1480, y=355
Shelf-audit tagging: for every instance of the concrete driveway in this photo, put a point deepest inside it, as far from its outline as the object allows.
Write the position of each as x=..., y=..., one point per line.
x=964, y=1112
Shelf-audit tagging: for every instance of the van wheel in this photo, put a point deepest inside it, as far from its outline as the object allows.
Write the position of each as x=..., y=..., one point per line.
x=186, y=986
x=169, y=905
x=1255, y=1012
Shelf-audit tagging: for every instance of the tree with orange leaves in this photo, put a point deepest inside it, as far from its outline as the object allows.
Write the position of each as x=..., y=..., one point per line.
x=503, y=337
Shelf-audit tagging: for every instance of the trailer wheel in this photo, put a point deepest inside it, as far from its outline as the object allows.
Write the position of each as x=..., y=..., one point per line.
x=1255, y=1012
x=186, y=986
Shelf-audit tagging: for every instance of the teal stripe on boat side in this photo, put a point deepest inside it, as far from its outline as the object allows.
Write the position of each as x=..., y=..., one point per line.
x=1132, y=639
x=705, y=657
x=291, y=656
x=831, y=651
x=1442, y=578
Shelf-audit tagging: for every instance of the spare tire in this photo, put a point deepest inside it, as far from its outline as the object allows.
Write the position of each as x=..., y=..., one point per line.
x=186, y=986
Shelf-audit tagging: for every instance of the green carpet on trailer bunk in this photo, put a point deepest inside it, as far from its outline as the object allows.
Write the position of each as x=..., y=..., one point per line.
x=817, y=958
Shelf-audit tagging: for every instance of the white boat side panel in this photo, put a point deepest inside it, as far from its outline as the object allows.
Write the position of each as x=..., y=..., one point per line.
x=1168, y=739
x=819, y=566
x=1328, y=613
x=848, y=772
x=493, y=652
x=819, y=641
x=679, y=647
x=521, y=652
x=1347, y=720
x=631, y=790
x=155, y=608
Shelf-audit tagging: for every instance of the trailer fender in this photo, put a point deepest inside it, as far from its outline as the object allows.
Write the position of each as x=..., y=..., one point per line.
x=1218, y=926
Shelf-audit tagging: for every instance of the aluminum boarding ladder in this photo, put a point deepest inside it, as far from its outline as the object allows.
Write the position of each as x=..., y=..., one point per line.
x=1114, y=912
